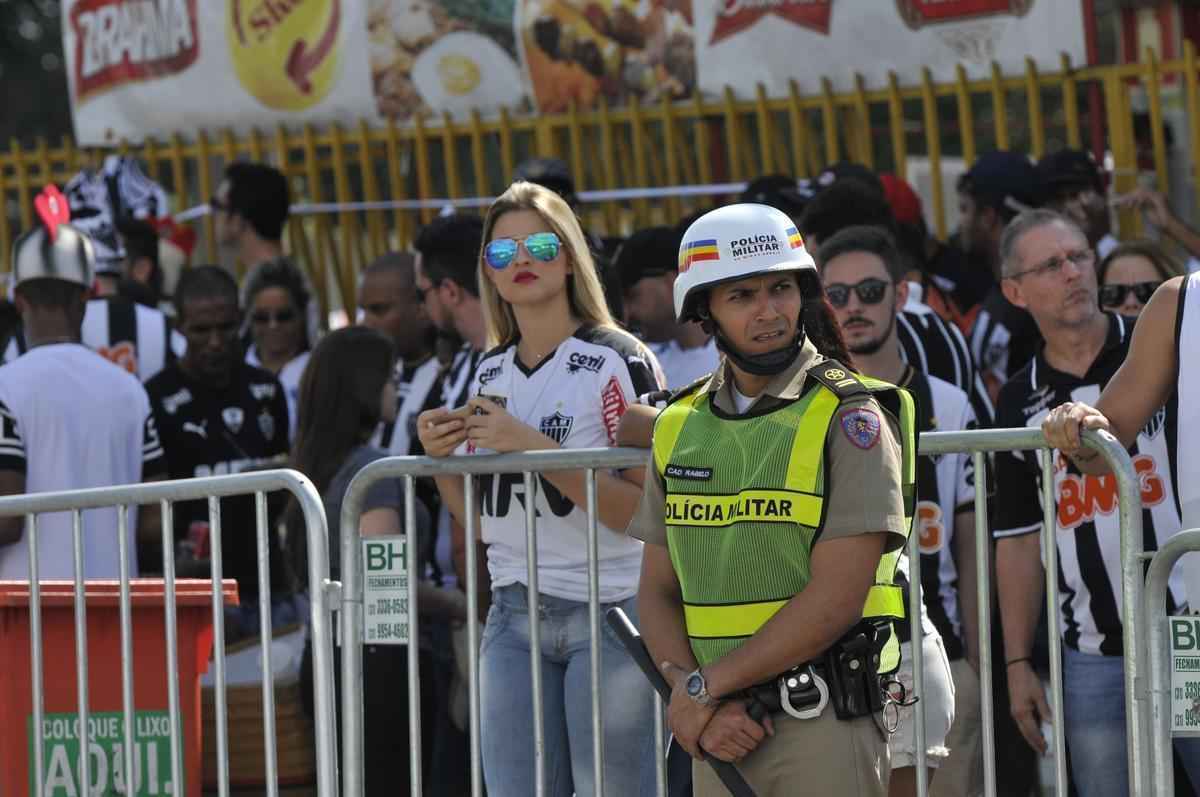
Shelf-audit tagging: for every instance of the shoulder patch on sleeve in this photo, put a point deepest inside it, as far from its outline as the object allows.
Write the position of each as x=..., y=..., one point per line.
x=843, y=382
x=861, y=426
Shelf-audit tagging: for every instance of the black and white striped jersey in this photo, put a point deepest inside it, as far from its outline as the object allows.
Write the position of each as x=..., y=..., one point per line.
x=417, y=389
x=140, y=339
x=1003, y=339
x=945, y=487
x=1088, y=527
x=936, y=347
x=456, y=384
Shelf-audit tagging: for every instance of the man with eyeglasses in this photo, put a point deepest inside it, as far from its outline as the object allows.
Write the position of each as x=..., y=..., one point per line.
x=1048, y=268
x=863, y=271
x=216, y=415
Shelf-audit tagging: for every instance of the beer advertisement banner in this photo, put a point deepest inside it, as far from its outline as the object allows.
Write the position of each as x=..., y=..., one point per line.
x=141, y=68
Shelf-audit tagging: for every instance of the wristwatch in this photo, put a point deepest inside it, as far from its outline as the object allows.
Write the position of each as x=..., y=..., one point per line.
x=697, y=688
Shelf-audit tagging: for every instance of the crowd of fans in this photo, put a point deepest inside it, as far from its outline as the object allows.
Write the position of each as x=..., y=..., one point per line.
x=1031, y=302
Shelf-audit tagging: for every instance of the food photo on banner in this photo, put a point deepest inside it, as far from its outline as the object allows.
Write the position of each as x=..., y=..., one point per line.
x=583, y=50
x=450, y=56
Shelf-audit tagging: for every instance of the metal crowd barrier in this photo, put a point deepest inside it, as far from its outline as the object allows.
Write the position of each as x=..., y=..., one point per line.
x=1158, y=660
x=977, y=443
x=165, y=493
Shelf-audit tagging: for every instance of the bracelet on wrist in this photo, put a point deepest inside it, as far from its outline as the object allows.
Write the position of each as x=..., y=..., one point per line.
x=1019, y=660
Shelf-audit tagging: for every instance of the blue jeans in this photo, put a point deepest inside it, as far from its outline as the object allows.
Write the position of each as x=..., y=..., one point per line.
x=1094, y=711
x=627, y=704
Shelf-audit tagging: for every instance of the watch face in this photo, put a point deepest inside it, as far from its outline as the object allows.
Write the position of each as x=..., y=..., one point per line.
x=695, y=684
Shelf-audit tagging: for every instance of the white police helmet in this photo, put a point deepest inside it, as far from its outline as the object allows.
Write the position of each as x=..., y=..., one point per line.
x=732, y=243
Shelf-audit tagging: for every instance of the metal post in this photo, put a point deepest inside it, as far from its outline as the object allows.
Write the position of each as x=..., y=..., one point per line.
x=1157, y=578
x=983, y=578
x=660, y=749
x=352, y=631
x=470, y=532
x=218, y=610
x=915, y=641
x=412, y=546
x=35, y=643
x=594, y=622
x=535, y=635
x=265, y=634
x=81, y=655
x=126, y=613
x=168, y=547
x=1050, y=545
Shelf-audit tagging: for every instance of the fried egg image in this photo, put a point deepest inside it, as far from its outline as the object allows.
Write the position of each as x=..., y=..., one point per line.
x=462, y=71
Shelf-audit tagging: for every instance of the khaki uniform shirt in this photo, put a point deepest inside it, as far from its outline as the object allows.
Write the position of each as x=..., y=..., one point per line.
x=863, y=491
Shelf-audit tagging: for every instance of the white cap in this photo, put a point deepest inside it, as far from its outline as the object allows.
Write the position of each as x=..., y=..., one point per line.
x=66, y=255
x=732, y=243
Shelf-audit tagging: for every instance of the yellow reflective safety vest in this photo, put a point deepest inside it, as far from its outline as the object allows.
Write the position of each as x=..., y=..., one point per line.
x=745, y=502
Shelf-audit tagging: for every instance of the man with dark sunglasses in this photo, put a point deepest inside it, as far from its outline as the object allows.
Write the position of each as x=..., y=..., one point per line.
x=1049, y=269
x=863, y=271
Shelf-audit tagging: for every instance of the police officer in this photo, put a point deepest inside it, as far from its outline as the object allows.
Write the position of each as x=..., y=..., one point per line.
x=778, y=495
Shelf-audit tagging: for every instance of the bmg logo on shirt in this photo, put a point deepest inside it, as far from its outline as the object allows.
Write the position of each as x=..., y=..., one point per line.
x=1082, y=498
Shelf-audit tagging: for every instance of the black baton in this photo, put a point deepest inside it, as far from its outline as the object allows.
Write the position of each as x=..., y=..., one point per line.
x=636, y=648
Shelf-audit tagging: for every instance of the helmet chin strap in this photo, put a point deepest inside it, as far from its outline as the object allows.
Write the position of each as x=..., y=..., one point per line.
x=766, y=364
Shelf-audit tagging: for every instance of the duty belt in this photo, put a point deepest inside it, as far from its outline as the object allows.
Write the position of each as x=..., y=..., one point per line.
x=801, y=692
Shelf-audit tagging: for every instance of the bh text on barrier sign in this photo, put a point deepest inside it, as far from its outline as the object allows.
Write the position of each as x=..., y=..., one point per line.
x=385, y=595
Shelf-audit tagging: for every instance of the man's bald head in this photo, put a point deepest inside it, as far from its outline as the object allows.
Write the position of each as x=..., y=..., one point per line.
x=389, y=303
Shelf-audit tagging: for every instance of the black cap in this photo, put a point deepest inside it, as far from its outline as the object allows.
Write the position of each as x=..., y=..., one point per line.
x=650, y=252
x=1001, y=180
x=780, y=192
x=1067, y=169
x=551, y=173
x=847, y=170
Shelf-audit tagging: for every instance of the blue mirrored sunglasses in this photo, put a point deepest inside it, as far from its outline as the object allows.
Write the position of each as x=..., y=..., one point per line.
x=541, y=246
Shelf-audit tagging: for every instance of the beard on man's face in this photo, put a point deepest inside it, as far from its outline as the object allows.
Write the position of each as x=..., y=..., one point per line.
x=873, y=344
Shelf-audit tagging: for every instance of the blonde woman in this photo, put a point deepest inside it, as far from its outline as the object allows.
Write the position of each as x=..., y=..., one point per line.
x=560, y=375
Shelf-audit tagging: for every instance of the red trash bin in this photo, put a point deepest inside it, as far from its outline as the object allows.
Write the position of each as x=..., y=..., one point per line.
x=151, y=714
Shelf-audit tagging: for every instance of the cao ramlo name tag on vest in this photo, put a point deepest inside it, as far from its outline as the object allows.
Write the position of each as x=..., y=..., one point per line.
x=748, y=506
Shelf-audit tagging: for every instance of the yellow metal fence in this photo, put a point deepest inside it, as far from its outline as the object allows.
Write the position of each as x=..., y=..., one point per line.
x=696, y=142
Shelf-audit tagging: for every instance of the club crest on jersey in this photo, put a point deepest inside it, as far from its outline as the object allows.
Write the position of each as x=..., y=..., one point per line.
x=584, y=362
x=233, y=418
x=861, y=427
x=266, y=424
x=1155, y=424
x=556, y=427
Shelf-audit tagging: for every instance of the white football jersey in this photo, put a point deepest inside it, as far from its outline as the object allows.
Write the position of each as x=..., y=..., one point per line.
x=576, y=396
x=61, y=442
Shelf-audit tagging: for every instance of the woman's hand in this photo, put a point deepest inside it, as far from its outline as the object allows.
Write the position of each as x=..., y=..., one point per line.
x=686, y=718
x=491, y=426
x=442, y=430
x=733, y=734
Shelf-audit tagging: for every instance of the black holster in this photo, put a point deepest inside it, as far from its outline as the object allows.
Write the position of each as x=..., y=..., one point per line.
x=851, y=668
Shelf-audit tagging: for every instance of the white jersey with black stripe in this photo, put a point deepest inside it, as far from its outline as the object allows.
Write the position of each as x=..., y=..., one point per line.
x=140, y=339
x=937, y=348
x=61, y=443
x=576, y=396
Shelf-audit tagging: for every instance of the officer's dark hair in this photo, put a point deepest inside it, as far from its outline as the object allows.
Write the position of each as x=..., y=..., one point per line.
x=204, y=282
x=861, y=238
x=52, y=293
x=846, y=203
x=449, y=247
x=259, y=194
x=819, y=322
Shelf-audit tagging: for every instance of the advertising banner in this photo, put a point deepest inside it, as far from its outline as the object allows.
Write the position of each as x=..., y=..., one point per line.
x=142, y=68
